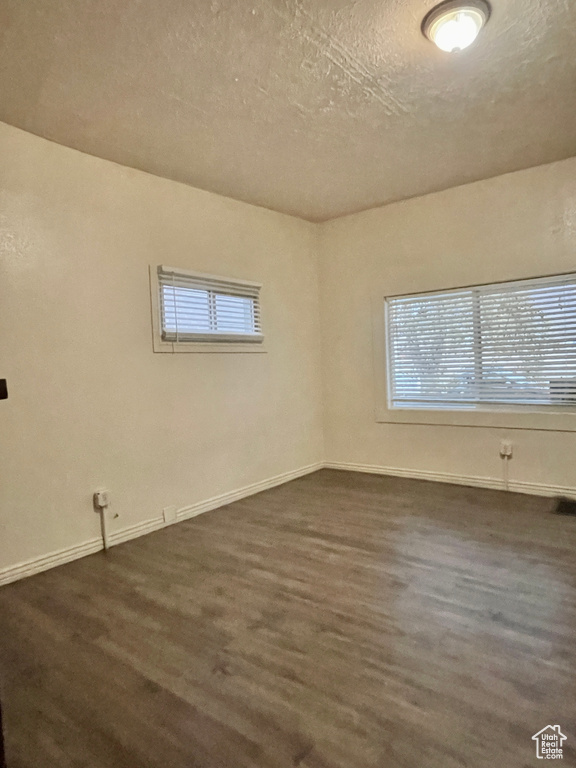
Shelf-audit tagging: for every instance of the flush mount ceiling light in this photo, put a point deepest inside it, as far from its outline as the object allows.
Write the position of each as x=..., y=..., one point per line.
x=455, y=24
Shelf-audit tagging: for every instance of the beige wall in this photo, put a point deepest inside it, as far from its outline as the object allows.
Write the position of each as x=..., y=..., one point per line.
x=515, y=226
x=90, y=403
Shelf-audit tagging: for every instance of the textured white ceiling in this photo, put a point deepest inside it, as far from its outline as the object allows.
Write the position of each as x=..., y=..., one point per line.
x=311, y=107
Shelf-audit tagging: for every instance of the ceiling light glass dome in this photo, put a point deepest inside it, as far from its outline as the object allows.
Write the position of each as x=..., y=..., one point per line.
x=454, y=25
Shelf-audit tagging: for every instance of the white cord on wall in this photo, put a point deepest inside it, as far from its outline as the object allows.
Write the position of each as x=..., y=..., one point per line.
x=104, y=524
x=506, y=473
x=101, y=503
x=506, y=451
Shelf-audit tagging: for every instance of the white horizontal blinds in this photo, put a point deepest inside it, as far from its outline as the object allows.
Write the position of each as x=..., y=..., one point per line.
x=511, y=343
x=431, y=345
x=529, y=342
x=204, y=308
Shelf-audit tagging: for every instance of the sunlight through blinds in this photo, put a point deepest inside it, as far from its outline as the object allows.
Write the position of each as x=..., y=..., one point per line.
x=509, y=343
x=203, y=308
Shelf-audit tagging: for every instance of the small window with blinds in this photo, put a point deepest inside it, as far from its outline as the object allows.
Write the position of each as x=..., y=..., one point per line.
x=506, y=344
x=197, y=308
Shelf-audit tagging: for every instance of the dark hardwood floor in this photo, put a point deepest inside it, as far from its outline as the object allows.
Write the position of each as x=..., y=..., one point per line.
x=339, y=621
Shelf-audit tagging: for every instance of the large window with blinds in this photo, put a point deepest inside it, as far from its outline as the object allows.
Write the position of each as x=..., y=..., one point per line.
x=504, y=344
x=194, y=308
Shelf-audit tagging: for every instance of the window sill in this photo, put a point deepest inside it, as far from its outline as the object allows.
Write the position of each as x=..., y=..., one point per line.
x=553, y=420
x=195, y=347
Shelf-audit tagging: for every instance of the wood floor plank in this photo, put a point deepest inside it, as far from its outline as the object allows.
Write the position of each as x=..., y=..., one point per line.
x=339, y=621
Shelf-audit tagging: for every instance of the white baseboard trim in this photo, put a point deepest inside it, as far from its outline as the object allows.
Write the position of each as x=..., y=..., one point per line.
x=44, y=563
x=134, y=531
x=62, y=556
x=518, y=486
x=248, y=490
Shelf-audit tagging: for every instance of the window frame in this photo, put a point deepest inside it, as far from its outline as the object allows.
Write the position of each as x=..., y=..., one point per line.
x=553, y=417
x=205, y=343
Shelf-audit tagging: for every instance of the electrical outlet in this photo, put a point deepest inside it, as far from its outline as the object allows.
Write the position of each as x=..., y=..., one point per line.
x=101, y=499
x=506, y=449
x=169, y=514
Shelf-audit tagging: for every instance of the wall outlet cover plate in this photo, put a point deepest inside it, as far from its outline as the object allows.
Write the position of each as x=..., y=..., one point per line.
x=169, y=514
